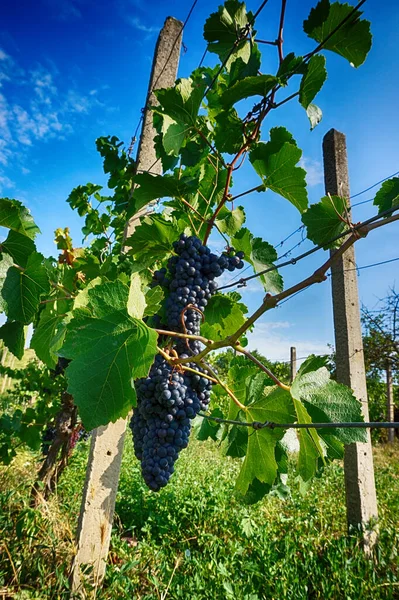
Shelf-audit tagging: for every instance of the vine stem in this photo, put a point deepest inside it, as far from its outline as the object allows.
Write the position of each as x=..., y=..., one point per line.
x=185, y=336
x=262, y=367
x=224, y=386
x=172, y=361
x=280, y=31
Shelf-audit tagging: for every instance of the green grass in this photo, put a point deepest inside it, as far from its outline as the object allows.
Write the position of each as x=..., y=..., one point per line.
x=194, y=541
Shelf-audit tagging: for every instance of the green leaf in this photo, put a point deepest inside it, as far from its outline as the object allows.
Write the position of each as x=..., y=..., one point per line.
x=220, y=31
x=153, y=238
x=312, y=363
x=260, y=462
x=275, y=162
x=259, y=85
x=325, y=220
x=23, y=289
x=209, y=428
x=19, y=247
x=6, y=263
x=153, y=299
x=230, y=221
x=309, y=445
x=14, y=215
x=136, y=301
x=173, y=135
x=42, y=341
x=242, y=67
x=353, y=38
x=331, y=402
x=223, y=317
x=314, y=115
x=273, y=404
x=291, y=64
x=13, y=335
x=153, y=187
x=312, y=80
x=261, y=255
x=388, y=195
x=109, y=349
x=179, y=106
x=255, y=492
x=237, y=442
x=229, y=134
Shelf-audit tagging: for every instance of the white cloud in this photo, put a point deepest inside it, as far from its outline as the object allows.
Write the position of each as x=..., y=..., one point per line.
x=44, y=112
x=314, y=170
x=275, y=345
x=137, y=24
x=25, y=171
x=64, y=10
x=5, y=183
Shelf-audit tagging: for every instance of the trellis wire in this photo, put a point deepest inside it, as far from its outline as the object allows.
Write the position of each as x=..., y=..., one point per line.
x=242, y=282
x=272, y=425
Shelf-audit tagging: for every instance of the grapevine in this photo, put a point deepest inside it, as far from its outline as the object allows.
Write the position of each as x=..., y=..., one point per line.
x=135, y=319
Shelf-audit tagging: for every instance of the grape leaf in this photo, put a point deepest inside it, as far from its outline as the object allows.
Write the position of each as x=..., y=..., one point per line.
x=331, y=402
x=313, y=79
x=179, y=106
x=309, y=445
x=239, y=68
x=324, y=221
x=260, y=461
x=42, y=340
x=153, y=187
x=153, y=238
x=314, y=115
x=237, y=442
x=272, y=404
x=256, y=85
x=223, y=317
x=19, y=246
x=352, y=40
x=291, y=64
x=23, y=289
x=228, y=133
x=220, y=31
x=230, y=221
x=14, y=215
x=13, y=335
x=109, y=349
x=153, y=299
x=275, y=162
x=261, y=255
x=388, y=195
x=6, y=263
x=209, y=428
x=312, y=363
x=136, y=302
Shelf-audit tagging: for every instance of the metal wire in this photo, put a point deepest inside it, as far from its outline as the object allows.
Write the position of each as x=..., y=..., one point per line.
x=272, y=425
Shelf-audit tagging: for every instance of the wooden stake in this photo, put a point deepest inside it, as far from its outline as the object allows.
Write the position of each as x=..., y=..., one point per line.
x=361, y=500
x=102, y=475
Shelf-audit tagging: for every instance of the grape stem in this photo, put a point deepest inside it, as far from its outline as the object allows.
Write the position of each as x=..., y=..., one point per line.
x=224, y=386
x=172, y=361
x=187, y=336
x=262, y=367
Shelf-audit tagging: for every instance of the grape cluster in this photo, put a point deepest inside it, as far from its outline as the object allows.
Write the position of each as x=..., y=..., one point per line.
x=168, y=399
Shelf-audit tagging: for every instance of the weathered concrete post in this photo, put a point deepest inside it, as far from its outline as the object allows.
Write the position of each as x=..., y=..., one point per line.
x=361, y=500
x=292, y=363
x=102, y=475
x=390, y=402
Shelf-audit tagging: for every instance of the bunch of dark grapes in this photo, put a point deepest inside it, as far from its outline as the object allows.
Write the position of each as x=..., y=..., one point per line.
x=168, y=399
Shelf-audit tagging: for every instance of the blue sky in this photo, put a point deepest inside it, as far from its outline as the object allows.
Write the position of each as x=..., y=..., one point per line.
x=72, y=70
